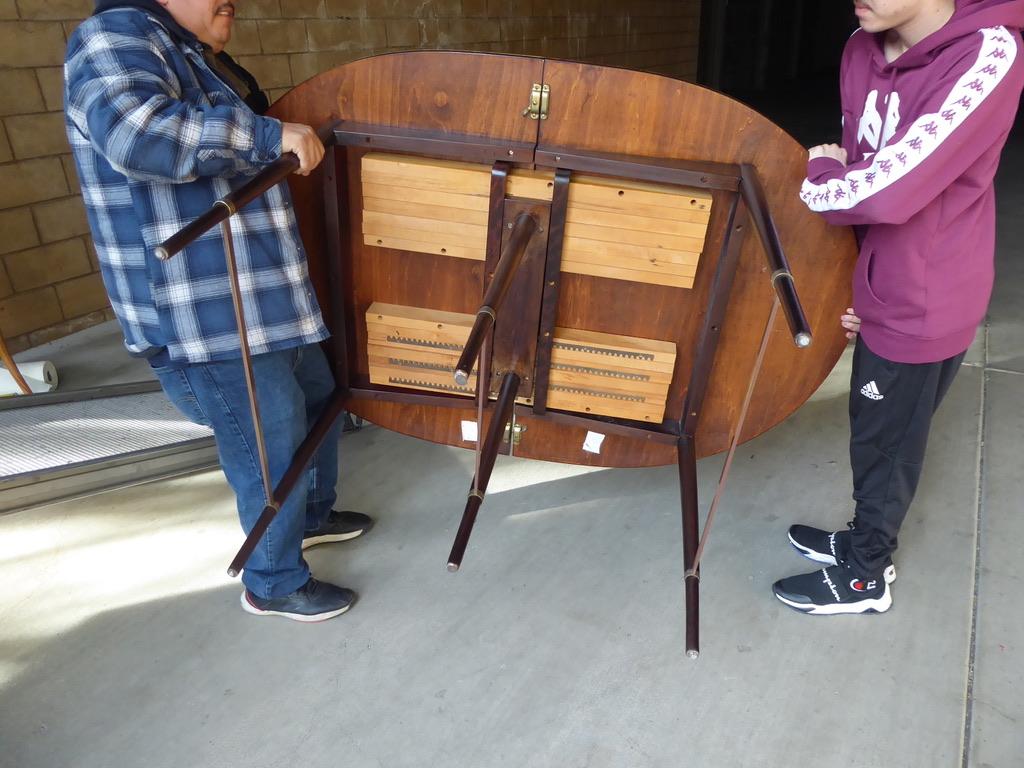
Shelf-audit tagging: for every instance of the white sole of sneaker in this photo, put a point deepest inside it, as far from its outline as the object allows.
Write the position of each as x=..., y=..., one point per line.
x=250, y=608
x=330, y=539
x=889, y=574
x=875, y=605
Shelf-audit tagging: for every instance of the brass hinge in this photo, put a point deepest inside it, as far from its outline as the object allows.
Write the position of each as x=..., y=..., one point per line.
x=538, y=106
x=517, y=433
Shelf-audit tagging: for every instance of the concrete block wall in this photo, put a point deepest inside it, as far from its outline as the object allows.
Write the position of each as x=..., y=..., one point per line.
x=285, y=42
x=49, y=280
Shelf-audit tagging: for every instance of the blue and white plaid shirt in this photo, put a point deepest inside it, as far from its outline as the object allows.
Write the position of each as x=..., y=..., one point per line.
x=157, y=139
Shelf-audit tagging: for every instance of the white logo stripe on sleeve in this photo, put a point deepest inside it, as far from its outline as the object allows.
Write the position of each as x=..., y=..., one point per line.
x=891, y=163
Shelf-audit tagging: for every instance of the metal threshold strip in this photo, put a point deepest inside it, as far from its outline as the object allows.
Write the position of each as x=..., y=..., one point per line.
x=57, y=447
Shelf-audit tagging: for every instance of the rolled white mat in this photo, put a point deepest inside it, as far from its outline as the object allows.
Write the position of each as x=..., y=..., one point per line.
x=40, y=377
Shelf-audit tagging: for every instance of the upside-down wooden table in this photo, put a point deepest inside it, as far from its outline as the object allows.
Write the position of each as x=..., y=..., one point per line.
x=551, y=259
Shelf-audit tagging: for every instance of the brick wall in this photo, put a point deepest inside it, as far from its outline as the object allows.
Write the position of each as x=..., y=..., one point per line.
x=285, y=42
x=49, y=283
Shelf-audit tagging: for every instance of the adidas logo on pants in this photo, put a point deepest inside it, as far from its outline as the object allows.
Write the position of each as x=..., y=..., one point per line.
x=870, y=390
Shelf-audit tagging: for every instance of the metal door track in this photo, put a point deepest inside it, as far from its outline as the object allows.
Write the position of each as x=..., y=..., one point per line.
x=56, y=447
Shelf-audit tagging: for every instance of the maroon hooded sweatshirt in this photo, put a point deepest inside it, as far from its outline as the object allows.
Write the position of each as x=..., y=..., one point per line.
x=923, y=135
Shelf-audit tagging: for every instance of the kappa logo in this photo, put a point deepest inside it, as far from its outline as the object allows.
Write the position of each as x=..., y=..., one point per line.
x=875, y=128
x=870, y=390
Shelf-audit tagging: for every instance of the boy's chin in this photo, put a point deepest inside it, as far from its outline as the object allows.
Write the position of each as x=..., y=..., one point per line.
x=872, y=27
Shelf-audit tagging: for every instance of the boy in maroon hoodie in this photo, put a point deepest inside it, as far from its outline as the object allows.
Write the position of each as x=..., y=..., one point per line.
x=929, y=91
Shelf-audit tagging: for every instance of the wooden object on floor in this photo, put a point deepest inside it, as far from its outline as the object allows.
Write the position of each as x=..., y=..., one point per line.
x=7, y=359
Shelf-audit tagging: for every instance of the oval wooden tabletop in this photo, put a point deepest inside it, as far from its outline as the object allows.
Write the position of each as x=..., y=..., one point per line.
x=592, y=109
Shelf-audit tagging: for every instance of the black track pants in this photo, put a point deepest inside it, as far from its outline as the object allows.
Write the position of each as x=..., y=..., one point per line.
x=891, y=408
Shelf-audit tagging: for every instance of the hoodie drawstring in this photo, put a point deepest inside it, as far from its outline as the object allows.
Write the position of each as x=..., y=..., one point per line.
x=888, y=107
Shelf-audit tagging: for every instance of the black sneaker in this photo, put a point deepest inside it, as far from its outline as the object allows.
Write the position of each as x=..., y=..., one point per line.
x=340, y=526
x=313, y=601
x=833, y=590
x=828, y=547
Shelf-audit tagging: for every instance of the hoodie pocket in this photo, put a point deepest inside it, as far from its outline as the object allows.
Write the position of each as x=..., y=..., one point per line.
x=865, y=272
x=889, y=290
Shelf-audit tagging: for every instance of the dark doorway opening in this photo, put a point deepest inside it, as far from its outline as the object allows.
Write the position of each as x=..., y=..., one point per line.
x=781, y=57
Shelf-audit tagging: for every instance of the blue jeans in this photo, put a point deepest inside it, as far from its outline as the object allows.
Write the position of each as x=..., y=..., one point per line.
x=292, y=388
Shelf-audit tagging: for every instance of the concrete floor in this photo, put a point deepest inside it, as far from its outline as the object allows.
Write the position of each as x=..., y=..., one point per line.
x=560, y=643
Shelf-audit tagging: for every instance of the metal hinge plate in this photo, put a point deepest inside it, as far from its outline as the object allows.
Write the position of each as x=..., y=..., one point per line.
x=539, y=100
x=517, y=433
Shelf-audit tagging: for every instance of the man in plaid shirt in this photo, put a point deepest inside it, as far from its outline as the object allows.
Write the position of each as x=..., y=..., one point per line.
x=162, y=124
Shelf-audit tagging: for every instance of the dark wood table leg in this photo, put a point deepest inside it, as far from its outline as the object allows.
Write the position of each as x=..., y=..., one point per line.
x=691, y=580
x=489, y=454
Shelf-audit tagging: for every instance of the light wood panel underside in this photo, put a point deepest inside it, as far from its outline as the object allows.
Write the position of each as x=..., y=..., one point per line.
x=615, y=228
x=599, y=373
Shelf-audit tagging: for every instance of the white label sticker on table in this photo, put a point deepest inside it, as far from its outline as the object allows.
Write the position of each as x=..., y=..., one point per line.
x=593, y=442
x=469, y=432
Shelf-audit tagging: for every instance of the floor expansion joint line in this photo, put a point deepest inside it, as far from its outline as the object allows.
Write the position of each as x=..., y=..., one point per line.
x=979, y=502
x=990, y=369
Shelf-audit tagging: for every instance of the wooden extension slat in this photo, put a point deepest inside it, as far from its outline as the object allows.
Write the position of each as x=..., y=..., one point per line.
x=392, y=335
x=650, y=211
x=629, y=351
x=635, y=231
x=656, y=266
x=396, y=364
x=638, y=408
x=638, y=219
x=375, y=222
x=439, y=335
x=424, y=210
x=425, y=173
x=420, y=316
x=615, y=228
x=533, y=185
x=609, y=379
x=476, y=252
x=631, y=275
x=459, y=183
x=603, y=190
x=688, y=231
x=623, y=396
x=381, y=228
x=413, y=363
x=658, y=370
x=422, y=380
x=427, y=196
x=600, y=373
x=651, y=259
x=587, y=250
x=451, y=326
x=379, y=347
